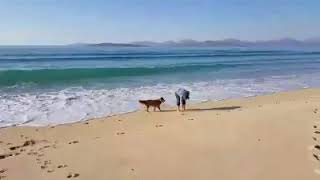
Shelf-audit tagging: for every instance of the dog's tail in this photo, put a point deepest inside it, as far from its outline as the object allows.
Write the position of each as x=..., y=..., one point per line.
x=141, y=101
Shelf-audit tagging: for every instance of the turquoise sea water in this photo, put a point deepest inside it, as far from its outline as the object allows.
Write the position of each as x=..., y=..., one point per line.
x=59, y=84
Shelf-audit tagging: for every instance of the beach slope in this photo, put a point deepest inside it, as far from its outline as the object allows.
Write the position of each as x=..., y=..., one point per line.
x=259, y=138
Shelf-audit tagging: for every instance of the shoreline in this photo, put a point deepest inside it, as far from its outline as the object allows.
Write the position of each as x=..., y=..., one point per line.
x=212, y=140
x=70, y=104
x=166, y=105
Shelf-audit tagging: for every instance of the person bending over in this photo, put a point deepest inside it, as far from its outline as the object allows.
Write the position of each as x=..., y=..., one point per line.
x=182, y=96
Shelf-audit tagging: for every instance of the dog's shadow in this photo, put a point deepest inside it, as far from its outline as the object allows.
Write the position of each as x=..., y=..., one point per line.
x=227, y=108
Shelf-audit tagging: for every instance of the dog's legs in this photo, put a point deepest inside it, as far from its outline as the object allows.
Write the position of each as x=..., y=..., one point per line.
x=147, y=108
x=154, y=108
x=159, y=108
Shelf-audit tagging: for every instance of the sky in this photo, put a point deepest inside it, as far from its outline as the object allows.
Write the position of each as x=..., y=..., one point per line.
x=39, y=22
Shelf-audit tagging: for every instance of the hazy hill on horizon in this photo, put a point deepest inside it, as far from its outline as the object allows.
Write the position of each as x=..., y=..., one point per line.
x=285, y=42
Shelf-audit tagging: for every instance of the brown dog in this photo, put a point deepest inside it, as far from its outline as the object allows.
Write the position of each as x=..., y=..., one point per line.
x=154, y=103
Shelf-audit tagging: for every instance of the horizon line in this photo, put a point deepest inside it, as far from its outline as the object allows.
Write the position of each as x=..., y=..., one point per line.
x=164, y=41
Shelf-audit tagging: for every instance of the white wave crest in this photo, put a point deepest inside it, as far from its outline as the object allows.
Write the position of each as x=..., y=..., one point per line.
x=76, y=104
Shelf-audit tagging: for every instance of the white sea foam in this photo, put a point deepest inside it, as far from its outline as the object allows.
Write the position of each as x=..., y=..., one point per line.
x=76, y=104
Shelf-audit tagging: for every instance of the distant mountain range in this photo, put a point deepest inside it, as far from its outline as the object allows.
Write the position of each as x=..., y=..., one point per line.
x=116, y=45
x=286, y=42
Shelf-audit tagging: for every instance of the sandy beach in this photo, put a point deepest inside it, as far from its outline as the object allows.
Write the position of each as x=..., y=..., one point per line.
x=258, y=138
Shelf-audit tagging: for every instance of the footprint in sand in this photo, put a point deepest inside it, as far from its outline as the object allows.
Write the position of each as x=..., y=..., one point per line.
x=315, y=110
x=3, y=156
x=316, y=157
x=26, y=143
x=190, y=119
x=29, y=143
x=159, y=125
x=47, y=162
x=45, y=147
x=50, y=171
x=73, y=142
x=3, y=170
x=32, y=153
x=62, y=166
x=14, y=148
x=121, y=133
x=316, y=147
x=70, y=175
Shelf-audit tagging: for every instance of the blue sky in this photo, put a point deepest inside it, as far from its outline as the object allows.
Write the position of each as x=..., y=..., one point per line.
x=70, y=21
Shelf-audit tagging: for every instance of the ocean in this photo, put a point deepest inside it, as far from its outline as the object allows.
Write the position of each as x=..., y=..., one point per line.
x=49, y=85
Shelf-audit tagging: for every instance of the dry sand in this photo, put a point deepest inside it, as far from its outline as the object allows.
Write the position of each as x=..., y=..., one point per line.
x=273, y=137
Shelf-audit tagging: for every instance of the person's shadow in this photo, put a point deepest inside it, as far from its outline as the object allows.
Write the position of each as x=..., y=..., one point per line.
x=226, y=108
